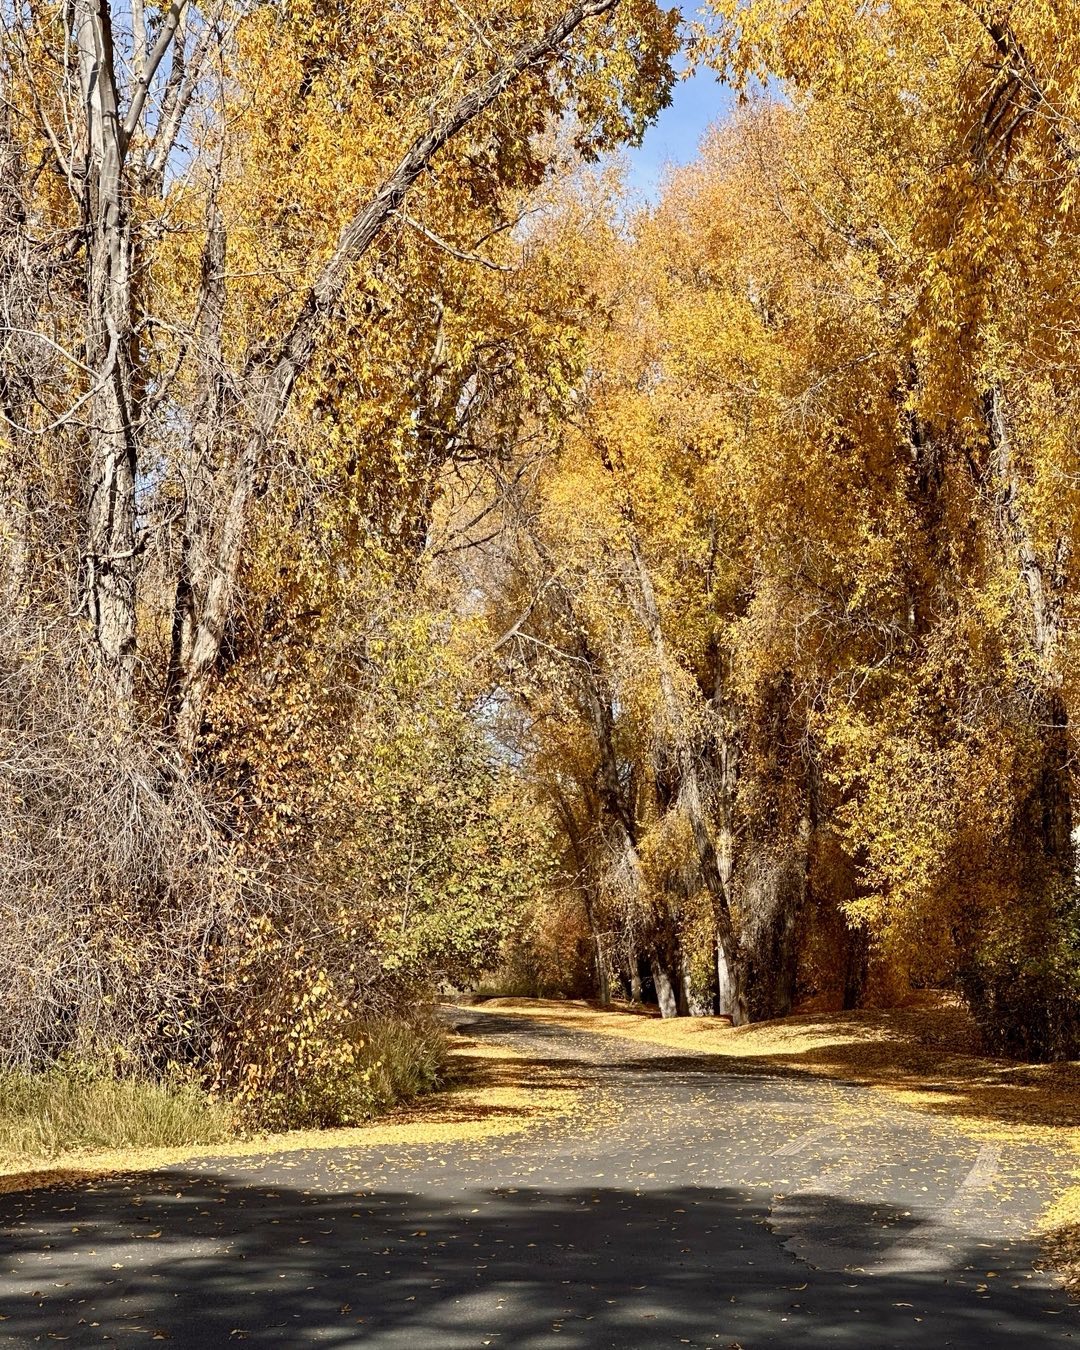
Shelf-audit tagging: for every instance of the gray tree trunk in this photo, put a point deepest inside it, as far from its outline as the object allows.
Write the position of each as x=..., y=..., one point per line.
x=774, y=896
x=690, y=796
x=1027, y=1009
x=201, y=468
x=109, y=561
x=725, y=986
x=665, y=991
x=634, y=973
x=691, y=1003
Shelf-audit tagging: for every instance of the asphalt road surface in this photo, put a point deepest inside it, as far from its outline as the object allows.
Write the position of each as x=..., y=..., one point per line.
x=685, y=1202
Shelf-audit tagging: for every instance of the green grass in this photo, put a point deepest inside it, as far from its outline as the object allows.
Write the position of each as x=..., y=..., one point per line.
x=65, y=1110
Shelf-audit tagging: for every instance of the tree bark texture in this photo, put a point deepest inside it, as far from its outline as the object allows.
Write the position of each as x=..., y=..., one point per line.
x=109, y=560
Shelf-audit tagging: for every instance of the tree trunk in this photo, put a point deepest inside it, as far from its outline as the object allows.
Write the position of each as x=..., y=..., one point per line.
x=20, y=562
x=773, y=899
x=682, y=987
x=726, y=995
x=603, y=728
x=1027, y=1002
x=691, y=1003
x=201, y=471
x=109, y=561
x=1047, y=815
x=603, y=980
x=665, y=991
x=689, y=796
x=856, y=966
x=777, y=851
x=634, y=972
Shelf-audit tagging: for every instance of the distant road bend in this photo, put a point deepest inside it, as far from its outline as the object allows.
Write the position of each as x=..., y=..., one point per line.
x=686, y=1202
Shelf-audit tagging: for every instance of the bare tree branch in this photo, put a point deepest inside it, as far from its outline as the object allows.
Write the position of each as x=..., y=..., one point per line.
x=449, y=248
x=142, y=88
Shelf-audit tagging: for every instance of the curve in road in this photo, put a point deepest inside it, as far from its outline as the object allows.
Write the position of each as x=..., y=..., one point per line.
x=686, y=1201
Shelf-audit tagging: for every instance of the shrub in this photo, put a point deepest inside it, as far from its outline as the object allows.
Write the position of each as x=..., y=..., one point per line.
x=382, y=1062
x=404, y=1058
x=114, y=881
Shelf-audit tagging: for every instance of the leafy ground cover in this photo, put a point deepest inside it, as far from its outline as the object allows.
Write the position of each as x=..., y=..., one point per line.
x=925, y=1054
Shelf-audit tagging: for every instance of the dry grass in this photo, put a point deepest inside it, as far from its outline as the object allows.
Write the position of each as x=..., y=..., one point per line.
x=48, y=1115
x=492, y=1092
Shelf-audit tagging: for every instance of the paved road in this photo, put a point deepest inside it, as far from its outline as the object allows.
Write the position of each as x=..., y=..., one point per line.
x=685, y=1203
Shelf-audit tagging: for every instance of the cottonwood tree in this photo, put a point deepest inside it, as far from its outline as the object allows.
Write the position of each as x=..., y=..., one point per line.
x=820, y=565
x=149, y=123
x=973, y=109
x=263, y=271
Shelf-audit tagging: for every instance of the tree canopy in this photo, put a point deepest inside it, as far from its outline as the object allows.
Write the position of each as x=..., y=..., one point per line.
x=418, y=560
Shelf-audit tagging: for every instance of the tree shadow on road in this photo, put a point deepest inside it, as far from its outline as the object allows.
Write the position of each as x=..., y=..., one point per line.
x=205, y=1260
x=922, y=1052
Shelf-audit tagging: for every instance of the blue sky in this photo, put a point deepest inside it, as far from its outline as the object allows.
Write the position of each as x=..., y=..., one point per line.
x=674, y=138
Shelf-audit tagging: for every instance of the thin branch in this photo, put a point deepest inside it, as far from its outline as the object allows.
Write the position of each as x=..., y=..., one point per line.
x=70, y=412
x=449, y=248
x=49, y=342
x=164, y=42
x=515, y=628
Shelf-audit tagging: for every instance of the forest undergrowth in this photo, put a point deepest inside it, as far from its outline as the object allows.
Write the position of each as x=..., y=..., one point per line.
x=51, y=1136
x=76, y=1108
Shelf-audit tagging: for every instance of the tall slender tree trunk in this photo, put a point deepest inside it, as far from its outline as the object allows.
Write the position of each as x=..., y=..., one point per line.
x=1027, y=1009
x=1043, y=581
x=725, y=755
x=633, y=970
x=776, y=868
x=201, y=472
x=666, y=995
x=603, y=979
x=774, y=899
x=727, y=993
x=1049, y=810
x=22, y=307
x=109, y=561
x=585, y=883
